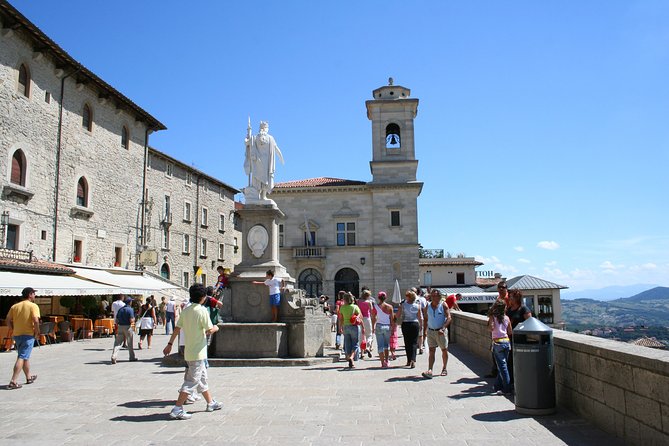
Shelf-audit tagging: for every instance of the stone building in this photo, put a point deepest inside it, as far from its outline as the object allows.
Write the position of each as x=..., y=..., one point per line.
x=190, y=221
x=74, y=160
x=344, y=234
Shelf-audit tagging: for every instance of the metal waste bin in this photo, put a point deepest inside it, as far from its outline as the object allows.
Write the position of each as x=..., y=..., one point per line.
x=533, y=368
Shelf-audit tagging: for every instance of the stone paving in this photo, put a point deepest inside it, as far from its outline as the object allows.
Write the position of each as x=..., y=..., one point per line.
x=79, y=398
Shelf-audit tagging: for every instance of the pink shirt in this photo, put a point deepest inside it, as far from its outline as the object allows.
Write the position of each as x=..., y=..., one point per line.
x=365, y=307
x=499, y=330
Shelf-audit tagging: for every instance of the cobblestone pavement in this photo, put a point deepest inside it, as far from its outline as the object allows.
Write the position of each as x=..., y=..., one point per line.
x=79, y=398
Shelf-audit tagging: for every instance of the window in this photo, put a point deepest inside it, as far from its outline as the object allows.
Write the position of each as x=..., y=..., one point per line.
x=393, y=136
x=82, y=192
x=280, y=236
x=166, y=237
x=169, y=169
x=186, y=244
x=346, y=234
x=460, y=278
x=187, y=216
x=118, y=256
x=125, y=138
x=546, y=309
x=77, y=251
x=310, y=240
x=24, y=81
x=12, y=241
x=168, y=208
x=47, y=97
x=395, y=218
x=205, y=217
x=87, y=118
x=236, y=245
x=189, y=178
x=185, y=279
x=203, y=278
x=221, y=222
x=203, y=247
x=221, y=193
x=221, y=251
x=165, y=271
x=18, y=175
x=311, y=281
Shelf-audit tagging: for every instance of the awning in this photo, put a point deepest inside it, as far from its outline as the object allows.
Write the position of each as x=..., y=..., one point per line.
x=11, y=284
x=126, y=282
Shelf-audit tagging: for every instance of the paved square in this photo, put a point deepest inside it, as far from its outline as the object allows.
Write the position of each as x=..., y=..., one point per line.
x=79, y=398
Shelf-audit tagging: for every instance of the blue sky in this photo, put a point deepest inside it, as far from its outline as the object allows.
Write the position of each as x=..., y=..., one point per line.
x=542, y=129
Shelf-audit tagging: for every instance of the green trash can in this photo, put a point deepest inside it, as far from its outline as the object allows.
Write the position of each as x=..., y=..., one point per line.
x=533, y=368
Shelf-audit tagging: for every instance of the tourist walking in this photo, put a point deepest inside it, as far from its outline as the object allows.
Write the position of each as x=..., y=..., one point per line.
x=501, y=331
x=275, y=286
x=351, y=322
x=147, y=323
x=411, y=316
x=340, y=329
x=161, y=310
x=365, y=303
x=23, y=321
x=170, y=315
x=421, y=332
x=382, y=318
x=196, y=325
x=394, y=337
x=437, y=318
x=125, y=317
x=502, y=296
x=517, y=313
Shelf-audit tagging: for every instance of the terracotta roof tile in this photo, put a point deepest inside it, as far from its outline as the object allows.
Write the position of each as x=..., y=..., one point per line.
x=37, y=266
x=318, y=182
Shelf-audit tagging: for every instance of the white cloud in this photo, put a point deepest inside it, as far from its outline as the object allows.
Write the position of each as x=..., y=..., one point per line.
x=645, y=267
x=524, y=261
x=610, y=266
x=550, y=245
x=551, y=263
x=519, y=249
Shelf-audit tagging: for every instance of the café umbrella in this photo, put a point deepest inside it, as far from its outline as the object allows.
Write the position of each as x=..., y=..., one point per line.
x=397, y=295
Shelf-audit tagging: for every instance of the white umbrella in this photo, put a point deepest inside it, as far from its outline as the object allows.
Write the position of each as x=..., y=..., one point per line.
x=397, y=295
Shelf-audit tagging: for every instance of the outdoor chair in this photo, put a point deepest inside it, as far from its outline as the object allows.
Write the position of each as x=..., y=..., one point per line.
x=64, y=331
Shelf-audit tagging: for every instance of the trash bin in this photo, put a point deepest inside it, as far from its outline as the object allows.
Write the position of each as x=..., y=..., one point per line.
x=533, y=368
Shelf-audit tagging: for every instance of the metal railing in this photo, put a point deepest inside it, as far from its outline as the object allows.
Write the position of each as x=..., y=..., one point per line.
x=13, y=254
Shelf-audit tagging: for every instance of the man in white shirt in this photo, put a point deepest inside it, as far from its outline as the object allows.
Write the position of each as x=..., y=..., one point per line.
x=119, y=302
x=170, y=316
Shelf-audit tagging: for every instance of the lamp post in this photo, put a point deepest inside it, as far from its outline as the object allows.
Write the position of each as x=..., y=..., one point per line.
x=4, y=222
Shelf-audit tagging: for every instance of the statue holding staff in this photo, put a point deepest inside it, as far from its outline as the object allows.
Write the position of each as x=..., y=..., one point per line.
x=260, y=164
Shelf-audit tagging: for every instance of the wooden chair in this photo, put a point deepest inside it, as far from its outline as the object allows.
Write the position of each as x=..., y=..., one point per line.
x=6, y=340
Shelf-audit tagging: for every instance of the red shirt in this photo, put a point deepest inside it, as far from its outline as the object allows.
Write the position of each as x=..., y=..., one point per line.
x=450, y=301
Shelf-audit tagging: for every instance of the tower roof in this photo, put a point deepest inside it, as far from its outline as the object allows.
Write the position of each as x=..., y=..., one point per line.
x=391, y=91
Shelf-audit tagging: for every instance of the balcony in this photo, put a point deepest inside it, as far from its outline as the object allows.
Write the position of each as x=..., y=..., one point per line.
x=166, y=220
x=309, y=252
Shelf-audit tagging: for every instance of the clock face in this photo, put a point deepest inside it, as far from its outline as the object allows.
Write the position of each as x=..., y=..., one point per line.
x=393, y=141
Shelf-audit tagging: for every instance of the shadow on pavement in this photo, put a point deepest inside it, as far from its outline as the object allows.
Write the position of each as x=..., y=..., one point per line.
x=144, y=404
x=396, y=379
x=503, y=415
x=143, y=418
x=95, y=349
x=169, y=372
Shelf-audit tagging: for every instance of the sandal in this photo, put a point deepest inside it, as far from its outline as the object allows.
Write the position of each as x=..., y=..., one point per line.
x=444, y=373
x=12, y=385
x=31, y=379
x=427, y=375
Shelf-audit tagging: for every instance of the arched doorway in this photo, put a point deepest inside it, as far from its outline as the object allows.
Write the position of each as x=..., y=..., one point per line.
x=347, y=279
x=311, y=281
x=165, y=271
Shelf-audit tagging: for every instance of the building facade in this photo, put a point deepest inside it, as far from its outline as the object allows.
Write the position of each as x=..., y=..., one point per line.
x=75, y=160
x=344, y=234
x=190, y=222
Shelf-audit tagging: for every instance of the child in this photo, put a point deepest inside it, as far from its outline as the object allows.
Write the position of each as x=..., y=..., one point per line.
x=393, y=339
x=275, y=287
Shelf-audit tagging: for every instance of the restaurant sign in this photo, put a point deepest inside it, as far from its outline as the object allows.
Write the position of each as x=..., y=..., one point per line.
x=477, y=298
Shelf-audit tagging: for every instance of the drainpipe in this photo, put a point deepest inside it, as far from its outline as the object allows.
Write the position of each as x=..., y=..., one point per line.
x=197, y=225
x=58, y=151
x=142, y=206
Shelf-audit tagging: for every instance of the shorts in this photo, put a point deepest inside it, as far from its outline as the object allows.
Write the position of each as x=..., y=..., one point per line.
x=24, y=345
x=195, y=378
x=146, y=331
x=434, y=339
x=275, y=299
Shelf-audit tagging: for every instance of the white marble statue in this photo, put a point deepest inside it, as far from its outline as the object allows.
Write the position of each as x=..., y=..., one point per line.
x=260, y=164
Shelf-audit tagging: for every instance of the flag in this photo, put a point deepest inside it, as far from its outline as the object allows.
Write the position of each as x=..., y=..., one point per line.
x=198, y=273
x=306, y=228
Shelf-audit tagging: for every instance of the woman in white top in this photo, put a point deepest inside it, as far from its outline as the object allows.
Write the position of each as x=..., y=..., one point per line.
x=147, y=323
x=383, y=320
x=411, y=315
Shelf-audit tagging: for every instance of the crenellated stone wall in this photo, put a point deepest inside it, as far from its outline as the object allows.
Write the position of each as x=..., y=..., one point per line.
x=622, y=388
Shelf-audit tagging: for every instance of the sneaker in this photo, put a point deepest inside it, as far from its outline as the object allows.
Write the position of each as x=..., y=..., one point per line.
x=369, y=354
x=193, y=398
x=214, y=405
x=178, y=413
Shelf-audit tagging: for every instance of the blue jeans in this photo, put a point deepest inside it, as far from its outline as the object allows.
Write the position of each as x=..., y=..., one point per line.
x=500, y=351
x=169, y=318
x=382, y=337
x=351, y=338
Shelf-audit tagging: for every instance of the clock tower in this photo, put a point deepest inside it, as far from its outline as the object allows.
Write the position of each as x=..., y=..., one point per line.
x=392, y=113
